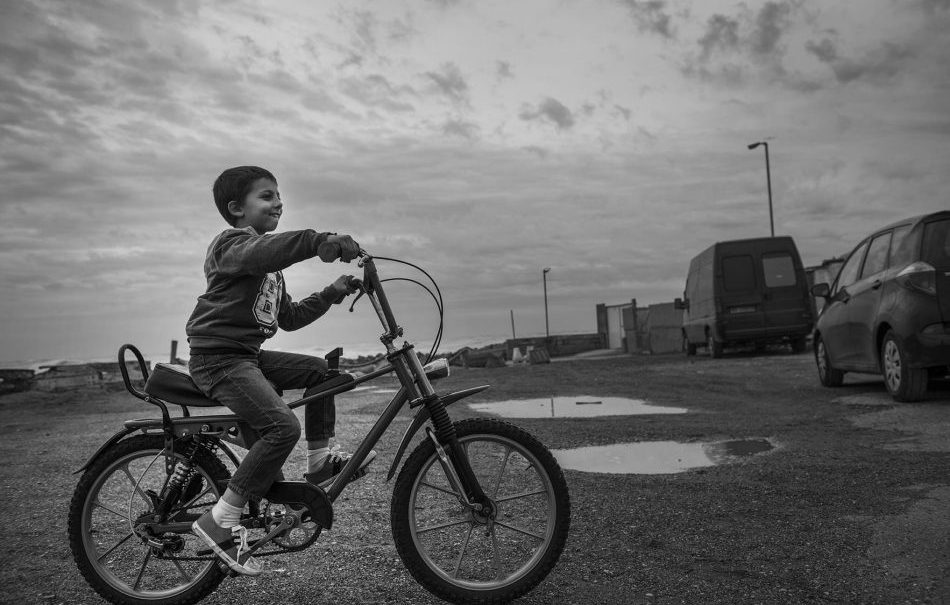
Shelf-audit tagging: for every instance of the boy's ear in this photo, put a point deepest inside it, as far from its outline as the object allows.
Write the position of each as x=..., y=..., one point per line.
x=235, y=208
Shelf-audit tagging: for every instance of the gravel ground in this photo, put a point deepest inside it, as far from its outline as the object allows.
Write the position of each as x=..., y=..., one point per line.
x=851, y=506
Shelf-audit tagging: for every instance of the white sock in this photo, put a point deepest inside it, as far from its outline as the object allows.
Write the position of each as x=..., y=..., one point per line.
x=226, y=515
x=316, y=458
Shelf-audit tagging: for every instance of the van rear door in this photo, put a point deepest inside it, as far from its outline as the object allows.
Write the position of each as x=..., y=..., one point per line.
x=740, y=313
x=785, y=302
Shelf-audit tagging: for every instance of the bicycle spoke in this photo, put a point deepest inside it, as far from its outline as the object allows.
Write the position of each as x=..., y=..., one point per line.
x=135, y=484
x=522, y=495
x=496, y=559
x=117, y=545
x=501, y=472
x=114, y=512
x=192, y=503
x=458, y=562
x=519, y=530
x=181, y=570
x=138, y=579
x=441, y=489
x=441, y=526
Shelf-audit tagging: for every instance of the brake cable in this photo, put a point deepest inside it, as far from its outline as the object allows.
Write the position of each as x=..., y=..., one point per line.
x=439, y=303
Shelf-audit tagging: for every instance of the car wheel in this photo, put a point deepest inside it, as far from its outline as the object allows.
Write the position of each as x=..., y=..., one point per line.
x=827, y=374
x=713, y=346
x=903, y=382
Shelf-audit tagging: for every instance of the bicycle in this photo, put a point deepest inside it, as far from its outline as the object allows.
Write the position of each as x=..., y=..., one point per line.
x=480, y=510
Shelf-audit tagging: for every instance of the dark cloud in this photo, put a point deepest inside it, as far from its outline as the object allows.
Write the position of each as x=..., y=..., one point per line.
x=824, y=50
x=651, y=16
x=450, y=82
x=461, y=128
x=541, y=152
x=503, y=70
x=550, y=110
x=376, y=90
x=879, y=65
x=735, y=48
x=770, y=24
x=722, y=33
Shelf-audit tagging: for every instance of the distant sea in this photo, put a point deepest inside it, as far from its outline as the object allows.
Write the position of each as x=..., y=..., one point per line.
x=350, y=351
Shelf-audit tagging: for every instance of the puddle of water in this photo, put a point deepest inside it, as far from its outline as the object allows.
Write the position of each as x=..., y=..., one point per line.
x=579, y=406
x=657, y=457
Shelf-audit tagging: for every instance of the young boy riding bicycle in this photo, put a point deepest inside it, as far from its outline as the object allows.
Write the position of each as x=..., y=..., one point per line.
x=245, y=303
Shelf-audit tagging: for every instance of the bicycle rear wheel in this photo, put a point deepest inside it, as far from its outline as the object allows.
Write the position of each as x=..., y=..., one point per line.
x=110, y=533
x=466, y=557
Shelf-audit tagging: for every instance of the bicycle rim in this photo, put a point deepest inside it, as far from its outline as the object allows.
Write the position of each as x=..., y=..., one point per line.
x=117, y=555
x=472, y=552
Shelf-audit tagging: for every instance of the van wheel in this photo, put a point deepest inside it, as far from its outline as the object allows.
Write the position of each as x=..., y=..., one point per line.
x=713, y=346
x=828, y=375
x=688, y=347
x=904, y=383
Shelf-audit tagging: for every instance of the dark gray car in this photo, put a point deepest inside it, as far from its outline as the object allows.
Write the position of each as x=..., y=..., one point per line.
x=888, y=310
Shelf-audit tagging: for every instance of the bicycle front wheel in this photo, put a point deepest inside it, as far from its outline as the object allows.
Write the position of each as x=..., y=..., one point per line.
x=110, y=533
x=467, y=557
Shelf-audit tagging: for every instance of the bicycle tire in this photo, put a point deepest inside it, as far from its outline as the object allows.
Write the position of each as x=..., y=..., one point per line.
x=115, y=562
x=421, y=489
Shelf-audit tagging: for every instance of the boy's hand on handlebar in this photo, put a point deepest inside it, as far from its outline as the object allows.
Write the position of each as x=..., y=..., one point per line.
x=346, y=285
x=341, y=247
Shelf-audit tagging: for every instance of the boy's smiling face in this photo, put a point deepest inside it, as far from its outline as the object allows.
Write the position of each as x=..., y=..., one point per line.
x=261, y=207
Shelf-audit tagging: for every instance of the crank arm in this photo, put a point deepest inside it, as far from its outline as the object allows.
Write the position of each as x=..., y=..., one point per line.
x=286, y=524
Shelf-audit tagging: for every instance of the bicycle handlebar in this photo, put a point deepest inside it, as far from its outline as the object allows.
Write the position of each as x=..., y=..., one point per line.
x=373, y=288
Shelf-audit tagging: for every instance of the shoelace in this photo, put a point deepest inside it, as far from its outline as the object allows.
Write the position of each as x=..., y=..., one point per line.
x=239, y=531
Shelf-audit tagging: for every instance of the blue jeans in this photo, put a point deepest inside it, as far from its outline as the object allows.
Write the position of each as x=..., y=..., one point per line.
x=246, y=383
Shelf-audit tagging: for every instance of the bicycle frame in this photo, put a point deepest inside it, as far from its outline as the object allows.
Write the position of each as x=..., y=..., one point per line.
x=416, y=390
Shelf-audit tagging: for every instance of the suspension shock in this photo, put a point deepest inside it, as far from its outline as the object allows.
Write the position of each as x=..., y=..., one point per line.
x=185, y=470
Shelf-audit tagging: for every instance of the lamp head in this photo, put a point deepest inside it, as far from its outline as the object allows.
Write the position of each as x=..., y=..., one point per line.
x=546, y=269
x=754, y=145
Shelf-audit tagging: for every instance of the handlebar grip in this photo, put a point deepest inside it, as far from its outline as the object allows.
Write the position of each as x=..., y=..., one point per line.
x=329, y=251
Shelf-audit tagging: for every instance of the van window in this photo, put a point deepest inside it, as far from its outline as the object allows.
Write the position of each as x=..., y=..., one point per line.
x=738, y=273
x=902, y=252
x=936, y=250
x=876, y=260
x=779, y=271
x=849, y=272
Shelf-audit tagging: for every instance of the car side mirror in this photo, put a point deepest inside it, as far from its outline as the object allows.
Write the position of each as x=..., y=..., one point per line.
x=821, y=290
x=680, y=304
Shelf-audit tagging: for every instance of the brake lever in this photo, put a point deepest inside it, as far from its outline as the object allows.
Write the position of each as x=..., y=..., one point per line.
x=358, y=296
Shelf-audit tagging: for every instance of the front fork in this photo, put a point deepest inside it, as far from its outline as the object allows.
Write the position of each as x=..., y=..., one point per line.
x=454, y=460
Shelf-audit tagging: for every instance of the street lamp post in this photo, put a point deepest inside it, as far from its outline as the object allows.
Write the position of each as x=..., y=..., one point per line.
x=768, y=180
x=544, y=278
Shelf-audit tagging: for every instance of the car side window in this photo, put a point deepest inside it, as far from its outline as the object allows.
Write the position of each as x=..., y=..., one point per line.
x=876, y=260
x=849, y=272
x=902, y=251
x=936, y=250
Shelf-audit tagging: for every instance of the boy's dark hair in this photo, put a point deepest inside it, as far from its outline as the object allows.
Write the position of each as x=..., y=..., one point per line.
x=234, y=184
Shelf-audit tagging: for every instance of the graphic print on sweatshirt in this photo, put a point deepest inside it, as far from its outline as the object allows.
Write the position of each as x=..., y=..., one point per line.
x=268, y=302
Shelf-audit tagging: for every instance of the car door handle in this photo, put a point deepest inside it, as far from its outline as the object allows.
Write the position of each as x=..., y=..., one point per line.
x=877, y=284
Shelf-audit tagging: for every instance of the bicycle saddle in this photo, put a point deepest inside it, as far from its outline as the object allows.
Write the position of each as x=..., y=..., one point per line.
x=172, y=382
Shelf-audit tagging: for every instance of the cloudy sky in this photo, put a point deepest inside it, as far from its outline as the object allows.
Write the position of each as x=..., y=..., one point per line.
x=483, y=140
